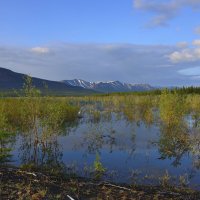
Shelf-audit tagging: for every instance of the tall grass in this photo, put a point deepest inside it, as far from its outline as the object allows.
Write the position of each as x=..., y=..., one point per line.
x=32, y=115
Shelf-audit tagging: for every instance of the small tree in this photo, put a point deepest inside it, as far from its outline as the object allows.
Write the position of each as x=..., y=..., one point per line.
x=29, y=89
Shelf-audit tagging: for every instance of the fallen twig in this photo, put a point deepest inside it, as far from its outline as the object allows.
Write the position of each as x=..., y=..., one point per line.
x=70, y=197
x=116, y=186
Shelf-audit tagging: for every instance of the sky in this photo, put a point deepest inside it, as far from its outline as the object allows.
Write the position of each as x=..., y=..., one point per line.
x=133, y=41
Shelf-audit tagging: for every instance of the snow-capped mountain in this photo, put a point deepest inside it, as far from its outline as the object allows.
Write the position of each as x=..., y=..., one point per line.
x=109, y=86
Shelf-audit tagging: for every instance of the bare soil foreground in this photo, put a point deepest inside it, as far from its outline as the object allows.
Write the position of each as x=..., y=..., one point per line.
x=19, y=184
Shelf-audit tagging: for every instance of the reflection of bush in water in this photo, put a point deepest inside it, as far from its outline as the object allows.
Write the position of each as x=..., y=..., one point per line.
x=6, y=137
x=174, y=142
x=193, y=104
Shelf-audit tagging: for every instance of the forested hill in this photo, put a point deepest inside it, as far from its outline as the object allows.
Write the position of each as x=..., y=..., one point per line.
x=10, y=80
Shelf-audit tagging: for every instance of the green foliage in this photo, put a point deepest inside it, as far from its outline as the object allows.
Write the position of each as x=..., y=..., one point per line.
x=58, y=111
x=3, y=121
x=39, y=117
x=99, y=169
x=172, y=107
x=28, y=89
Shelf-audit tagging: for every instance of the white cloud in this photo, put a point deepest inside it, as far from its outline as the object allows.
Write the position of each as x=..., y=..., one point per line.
x=40, y=50
x=185, y=55
x=189, y=54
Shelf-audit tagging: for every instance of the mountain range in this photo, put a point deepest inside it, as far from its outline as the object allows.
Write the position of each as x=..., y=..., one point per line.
x=109, y=86
x=10, y=80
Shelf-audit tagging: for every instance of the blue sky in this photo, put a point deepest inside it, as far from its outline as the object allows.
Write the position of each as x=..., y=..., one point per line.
x=155, y=41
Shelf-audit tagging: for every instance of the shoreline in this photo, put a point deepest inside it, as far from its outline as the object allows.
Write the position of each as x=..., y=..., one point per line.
x=22, y=184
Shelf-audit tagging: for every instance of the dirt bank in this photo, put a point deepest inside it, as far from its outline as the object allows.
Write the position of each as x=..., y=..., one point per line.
x=20, y=184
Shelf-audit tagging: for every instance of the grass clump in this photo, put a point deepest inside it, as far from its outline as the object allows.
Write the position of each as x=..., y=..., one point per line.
x=172, y=107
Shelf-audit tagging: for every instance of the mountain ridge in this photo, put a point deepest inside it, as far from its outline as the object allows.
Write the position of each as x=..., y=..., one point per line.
x=10, y=80
x=109, y=86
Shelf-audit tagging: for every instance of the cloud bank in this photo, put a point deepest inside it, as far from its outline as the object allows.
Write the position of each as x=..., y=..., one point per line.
x=94, y=62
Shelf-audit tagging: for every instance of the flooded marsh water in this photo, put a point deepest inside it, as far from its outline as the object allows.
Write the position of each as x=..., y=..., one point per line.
x=137, y=140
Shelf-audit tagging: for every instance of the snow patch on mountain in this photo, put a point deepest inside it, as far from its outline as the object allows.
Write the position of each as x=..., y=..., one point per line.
x=109, y=86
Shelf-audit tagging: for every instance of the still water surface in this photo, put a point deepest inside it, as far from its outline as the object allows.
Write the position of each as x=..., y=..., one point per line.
x=130, y=151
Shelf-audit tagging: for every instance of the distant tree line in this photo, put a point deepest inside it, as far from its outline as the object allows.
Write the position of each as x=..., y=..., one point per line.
x=187, y=90
x=177, y=90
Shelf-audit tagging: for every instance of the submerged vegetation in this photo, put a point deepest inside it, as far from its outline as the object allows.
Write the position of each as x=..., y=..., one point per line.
x=38, y=118
x=40, y=121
